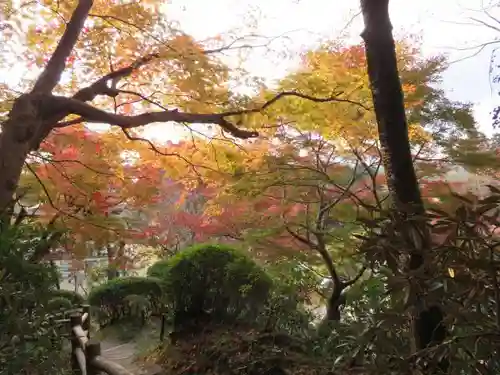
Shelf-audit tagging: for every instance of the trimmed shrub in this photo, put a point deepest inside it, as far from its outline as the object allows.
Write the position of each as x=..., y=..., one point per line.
x=159, y=269
x=214, y=281
x=114, y=299
x=74, y=298
x=59, y=304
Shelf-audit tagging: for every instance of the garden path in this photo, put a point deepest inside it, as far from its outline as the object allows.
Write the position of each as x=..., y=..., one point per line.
x=125, y=353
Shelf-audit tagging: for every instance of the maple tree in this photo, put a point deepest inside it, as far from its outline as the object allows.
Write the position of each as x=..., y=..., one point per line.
x=326, y=158
x=120, y=64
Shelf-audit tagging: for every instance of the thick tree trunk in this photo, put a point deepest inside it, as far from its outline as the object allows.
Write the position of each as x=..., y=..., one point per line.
x=14, y=148
x=388, y=101
x=21, y=133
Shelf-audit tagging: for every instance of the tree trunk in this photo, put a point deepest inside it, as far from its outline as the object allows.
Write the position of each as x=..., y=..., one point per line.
x=111, y=271
x=403, y=185
x=333, y=305
x=15, y=144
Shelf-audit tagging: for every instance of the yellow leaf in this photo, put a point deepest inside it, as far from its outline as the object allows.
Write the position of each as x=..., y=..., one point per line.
x=451, y=272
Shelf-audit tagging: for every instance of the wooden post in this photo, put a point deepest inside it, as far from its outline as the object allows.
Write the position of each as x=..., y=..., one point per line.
x=162, y=332
x=86, y=323
x=93, y=351
x=75, y=320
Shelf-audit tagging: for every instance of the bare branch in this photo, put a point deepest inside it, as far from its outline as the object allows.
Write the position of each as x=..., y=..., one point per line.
x=484, y=23
x=52, y=73
x=300, y=238
x=335, y=97
x=42, y=185
x=152, y=146
x=65, y=161
x=92, y=114
x=356, y=278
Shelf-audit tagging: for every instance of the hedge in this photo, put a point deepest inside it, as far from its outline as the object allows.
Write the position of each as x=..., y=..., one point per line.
x=76, y=299
x=214, y=280
x=159, y=269
x=126, y=297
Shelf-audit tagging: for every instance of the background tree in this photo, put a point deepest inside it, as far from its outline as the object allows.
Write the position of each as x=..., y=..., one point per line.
x=139, y=46
x=324, y=163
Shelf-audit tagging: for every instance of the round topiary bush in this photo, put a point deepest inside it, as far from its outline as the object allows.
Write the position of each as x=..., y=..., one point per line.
x=116, y=299
x=74, y=298
x=159, y=269
x=214, y=281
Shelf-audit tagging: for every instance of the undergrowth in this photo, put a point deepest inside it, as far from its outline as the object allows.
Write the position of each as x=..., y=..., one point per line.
x=238, y=349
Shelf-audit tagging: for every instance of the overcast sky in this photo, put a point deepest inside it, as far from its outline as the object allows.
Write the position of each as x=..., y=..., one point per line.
x=445, y=25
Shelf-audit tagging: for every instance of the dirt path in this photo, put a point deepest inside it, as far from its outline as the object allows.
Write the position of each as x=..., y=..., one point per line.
x=125, y=354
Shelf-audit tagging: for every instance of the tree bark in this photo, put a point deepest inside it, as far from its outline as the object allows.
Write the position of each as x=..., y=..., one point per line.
x=15, y=144
x=403, y=185
x=333, y=305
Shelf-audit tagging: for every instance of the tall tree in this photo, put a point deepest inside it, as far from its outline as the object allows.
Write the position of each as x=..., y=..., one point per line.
x=429, y=327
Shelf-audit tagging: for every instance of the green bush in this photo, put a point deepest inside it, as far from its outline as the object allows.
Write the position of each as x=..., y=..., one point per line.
x=59, y=304
x=114, y=299
x=29, y=341
x=159, y=269
x=285, y=312
x=215, y=281
x=75, y=299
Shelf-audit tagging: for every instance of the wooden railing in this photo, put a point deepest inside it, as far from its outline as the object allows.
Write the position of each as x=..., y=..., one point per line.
x=86, y=356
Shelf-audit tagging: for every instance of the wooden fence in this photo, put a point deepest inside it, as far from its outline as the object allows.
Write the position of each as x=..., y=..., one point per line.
x=86, y=356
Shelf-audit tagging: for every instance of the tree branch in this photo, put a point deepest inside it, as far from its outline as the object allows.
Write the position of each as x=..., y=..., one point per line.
x=335, y=97
x=101, y=87
x=52, y=73
x=89, y=113
x=356, y=278
x=300, y=238
x=92, y=114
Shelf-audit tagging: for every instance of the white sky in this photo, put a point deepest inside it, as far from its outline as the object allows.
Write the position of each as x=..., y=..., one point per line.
x=305, y=21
